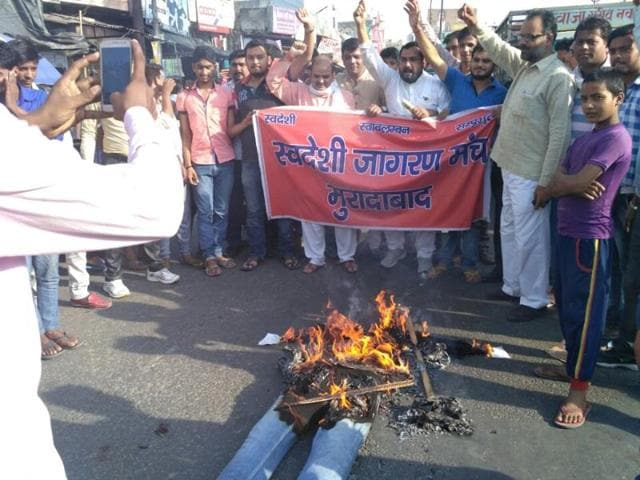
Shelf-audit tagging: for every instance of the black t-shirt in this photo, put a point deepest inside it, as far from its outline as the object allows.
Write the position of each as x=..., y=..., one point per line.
x=249, y=99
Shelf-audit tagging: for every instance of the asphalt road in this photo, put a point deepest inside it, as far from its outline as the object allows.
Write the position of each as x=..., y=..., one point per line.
x=170, y=380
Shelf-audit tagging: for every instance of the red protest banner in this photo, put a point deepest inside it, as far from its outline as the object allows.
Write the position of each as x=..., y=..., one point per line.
x=347, y=169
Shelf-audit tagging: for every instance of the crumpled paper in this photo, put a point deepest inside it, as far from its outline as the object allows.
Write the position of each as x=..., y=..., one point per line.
x=270, y=339
x=499, y=352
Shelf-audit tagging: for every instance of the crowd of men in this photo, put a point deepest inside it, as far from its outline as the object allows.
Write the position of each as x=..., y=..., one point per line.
x=564, y=175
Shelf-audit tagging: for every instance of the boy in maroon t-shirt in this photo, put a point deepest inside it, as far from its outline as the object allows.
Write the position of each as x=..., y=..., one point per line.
x=586, y=184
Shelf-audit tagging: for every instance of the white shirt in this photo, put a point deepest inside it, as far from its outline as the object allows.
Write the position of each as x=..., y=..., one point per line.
x=51, y=201
x=426, y=92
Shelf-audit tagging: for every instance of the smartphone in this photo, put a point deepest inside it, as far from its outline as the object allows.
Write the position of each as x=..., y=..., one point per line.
x=115, y=68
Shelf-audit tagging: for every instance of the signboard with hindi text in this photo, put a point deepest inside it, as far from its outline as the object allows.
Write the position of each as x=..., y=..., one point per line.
x=216, y=16
x=347, y=169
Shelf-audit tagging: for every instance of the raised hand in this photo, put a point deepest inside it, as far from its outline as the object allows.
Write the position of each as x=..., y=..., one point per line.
x=65, y=105
x=167, y=86
x=305, y=19
x=297, y=48
x=413, y=11
x=138, y=93
x=468, y=15
x=360, y=13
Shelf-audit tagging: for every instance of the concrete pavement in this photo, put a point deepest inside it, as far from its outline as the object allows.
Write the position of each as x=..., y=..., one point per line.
x=170, y=380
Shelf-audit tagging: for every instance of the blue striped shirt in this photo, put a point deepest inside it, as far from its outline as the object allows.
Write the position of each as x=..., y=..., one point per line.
x=630, y=118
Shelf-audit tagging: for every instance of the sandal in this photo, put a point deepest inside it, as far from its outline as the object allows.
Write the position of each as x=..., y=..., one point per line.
x=350, y=266
x=291, y=262
x=50, y=349
x=311, y=268
x=564, y=411
x=64, y=341
x=472, y=276
x=211, y=267
x=436, y=272
x=551, y=372
x=191, y=260
x=226, y=262
x=250, y=264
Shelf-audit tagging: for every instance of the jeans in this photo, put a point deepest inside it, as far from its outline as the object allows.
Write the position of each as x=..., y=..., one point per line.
x=332, y=452
x=184, y=232
x=256, y=215
x=113, y=258
x=631, y=318
x=212, y=196
x=620, y=254
x=236, y=208
x=470, y=249
x=47, y=280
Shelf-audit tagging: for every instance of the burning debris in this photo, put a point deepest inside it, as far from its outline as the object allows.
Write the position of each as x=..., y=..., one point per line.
x=342, y=370
x=430, y=416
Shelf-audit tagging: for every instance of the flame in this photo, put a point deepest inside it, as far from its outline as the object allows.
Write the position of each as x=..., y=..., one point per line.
x=289, y=335
x=350, y=344
x=487, y=348
x=342, y=389
x=314, y=349
x=424, y=329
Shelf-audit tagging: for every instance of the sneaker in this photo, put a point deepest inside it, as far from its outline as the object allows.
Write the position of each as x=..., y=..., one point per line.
x=93, y=301
x=618, y=357
x=116, y=289
x=392, y=257
x=522, y=313
x=163, y=276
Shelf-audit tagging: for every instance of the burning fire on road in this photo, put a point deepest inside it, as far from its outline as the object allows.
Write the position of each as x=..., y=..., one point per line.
x=341, y=369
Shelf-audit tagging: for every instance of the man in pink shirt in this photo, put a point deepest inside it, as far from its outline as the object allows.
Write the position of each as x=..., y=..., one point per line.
x=148, y=206
x=323, y=92
x=208, y=156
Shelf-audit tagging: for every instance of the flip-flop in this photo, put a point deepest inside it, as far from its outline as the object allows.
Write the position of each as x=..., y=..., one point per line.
x=551, y=372
x=291, y=262
x=64, y=341
x=571, y=426
x=557, y=352
x=211, y=268
x=350, y=266
x=311, y=268
x=49, y=356
x=250, y=264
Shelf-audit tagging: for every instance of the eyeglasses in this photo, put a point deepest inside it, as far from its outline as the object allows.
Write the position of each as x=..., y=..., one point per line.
x=528, y=37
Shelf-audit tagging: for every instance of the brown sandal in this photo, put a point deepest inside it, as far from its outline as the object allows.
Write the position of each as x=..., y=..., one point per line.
x=250, y=264
x=64, y=341
x=211, y=267
x=350, y=266
x=291, y=262
x=311, y=268
x=50, y=349
x=551, y=372
x=225, y=262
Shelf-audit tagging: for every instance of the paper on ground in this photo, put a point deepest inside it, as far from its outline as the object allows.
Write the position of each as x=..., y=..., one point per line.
x=270, y=339
x=499, y=352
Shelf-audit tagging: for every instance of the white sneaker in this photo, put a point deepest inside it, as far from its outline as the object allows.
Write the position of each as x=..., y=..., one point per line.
x=116, y=289
x=163, y=276
x=392, y=257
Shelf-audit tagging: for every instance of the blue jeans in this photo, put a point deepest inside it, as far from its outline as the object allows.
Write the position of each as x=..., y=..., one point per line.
x=184, y=232
x=256, y=215
x=620, y=257
x=332, y=453
x=631, y=314
x=212, y=201
x=47, y=280
x=470, y=249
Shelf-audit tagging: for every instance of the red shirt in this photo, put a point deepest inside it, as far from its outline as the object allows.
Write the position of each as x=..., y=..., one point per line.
x=208, y=122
